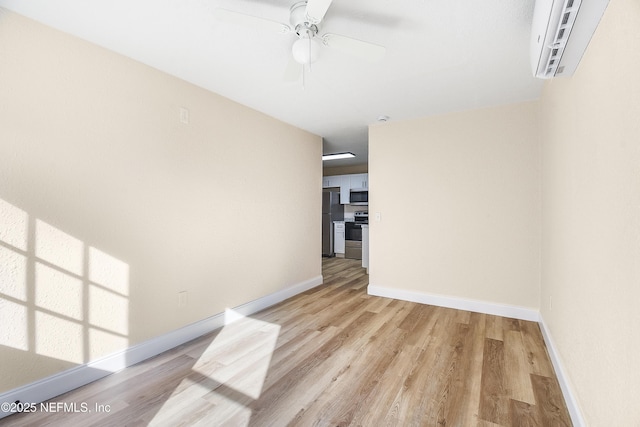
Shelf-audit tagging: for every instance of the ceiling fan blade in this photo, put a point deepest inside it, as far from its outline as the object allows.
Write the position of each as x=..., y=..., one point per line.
x=316, y=9
x=361, y=49
x=251, y=21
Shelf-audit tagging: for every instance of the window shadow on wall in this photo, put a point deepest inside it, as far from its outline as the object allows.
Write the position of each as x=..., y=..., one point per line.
x=63, y=303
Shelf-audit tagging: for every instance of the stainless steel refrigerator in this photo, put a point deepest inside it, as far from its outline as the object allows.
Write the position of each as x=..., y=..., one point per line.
x=332, y=210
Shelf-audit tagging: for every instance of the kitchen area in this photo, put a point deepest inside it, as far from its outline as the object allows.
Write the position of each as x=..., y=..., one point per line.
x=345, y=217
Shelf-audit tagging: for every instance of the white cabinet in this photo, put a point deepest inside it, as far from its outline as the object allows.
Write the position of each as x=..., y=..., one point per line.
x=359, y=181
x=338, y=238
x=338, y=181
x=345, y=190
x=332, y=181
x=355, y=182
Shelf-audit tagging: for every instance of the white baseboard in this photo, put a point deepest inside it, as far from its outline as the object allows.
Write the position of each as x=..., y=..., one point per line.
x=485, y=307
x=515, y=312
x=563, y=379
x=55, y=385
x=274, y=298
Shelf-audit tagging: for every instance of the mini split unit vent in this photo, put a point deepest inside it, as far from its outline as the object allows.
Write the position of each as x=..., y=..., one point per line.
x=561, y=31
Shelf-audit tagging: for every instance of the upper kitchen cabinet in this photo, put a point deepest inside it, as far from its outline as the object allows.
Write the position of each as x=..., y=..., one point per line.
x=347, y=183
x=359, y=181
x=332, y=181
x=345, y=190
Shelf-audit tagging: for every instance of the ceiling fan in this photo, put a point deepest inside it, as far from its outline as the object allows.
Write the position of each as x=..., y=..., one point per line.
x=305, y=18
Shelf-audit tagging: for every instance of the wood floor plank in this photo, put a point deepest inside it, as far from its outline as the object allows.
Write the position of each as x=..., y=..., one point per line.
x=537, y=355
x=334, y=355
x=510, y=324
x=473, y=386
x=412, y=400
x=493, y=396
x=463, y=386
x=365, y=368
x=494, y=327
x=524, y=414
x=518, y=382
x=430, y=409
x=393, y=387
x=377, y=305
x=552, y=408
x=377, y=331
x=283, y=364
x=276, y=399
x=398, y=388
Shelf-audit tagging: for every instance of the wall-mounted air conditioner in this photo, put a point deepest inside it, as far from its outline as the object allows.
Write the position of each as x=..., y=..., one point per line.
x=561, y=31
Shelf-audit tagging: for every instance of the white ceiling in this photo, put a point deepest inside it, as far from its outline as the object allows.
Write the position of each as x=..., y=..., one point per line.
x=442, y=56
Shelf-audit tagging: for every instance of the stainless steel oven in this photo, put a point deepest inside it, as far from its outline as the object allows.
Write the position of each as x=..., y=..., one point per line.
x=353, y=235
x=353, y=249
x=353, y=231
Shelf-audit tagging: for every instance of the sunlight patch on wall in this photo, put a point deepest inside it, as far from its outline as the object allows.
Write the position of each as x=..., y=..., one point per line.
x=58, y=248
x=13, y=274
x=13, y=226
x=13, y=270
x=58, y=338
x=108, y=303
x=109, y=272
x=58, y=292
x=13, y=322
x=59, y=297
x=108, y=310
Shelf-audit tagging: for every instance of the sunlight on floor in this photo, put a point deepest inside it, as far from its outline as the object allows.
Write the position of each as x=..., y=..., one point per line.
x=228, y=375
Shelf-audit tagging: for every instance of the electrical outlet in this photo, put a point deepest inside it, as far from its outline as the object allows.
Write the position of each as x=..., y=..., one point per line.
x=182, y=299
x=378, y=216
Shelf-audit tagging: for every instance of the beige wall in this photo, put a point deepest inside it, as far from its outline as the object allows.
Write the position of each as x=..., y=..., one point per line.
x=591, y=220
x=472, y=181
x=110, y=206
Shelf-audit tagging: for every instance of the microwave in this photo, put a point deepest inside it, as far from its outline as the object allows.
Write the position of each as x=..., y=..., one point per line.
x=359, y=197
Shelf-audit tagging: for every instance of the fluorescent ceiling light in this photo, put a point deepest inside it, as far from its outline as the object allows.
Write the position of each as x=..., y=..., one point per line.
x=337, y=156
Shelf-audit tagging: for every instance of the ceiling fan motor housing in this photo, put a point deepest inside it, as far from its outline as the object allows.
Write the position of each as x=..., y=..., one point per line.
x=301, y=24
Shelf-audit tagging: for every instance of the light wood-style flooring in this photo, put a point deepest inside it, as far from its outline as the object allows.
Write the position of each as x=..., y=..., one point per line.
x=335, y=356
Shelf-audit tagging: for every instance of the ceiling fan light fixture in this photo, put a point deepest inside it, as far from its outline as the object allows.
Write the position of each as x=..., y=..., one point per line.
x=304, y=51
